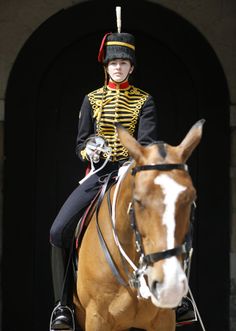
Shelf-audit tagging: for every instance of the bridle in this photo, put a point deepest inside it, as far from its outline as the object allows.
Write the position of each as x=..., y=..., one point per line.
x=160, y=167
x=136, y=277
x=184, y=249
x=149, y=259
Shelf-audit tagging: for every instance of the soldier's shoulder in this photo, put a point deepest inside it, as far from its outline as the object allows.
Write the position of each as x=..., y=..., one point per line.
x=138, y=91
x=98, y=91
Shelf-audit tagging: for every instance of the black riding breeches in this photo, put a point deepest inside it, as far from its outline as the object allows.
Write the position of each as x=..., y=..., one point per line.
x=64, y=225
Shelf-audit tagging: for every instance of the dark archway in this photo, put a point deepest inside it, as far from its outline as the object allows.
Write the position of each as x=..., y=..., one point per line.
x=45, y=89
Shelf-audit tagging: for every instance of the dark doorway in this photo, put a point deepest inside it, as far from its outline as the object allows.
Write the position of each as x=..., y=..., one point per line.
x=54, y=70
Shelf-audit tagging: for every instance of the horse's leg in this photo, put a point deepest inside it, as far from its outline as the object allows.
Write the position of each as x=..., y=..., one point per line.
x=95, y=321
x=80, y=316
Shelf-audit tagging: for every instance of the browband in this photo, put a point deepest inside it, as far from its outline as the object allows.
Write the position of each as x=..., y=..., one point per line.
x=161, y=167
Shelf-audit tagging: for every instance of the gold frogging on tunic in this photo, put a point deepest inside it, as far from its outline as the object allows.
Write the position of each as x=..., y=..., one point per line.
x=116, y=105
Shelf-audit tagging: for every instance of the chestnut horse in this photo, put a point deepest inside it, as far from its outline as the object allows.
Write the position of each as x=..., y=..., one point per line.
x=144, y=236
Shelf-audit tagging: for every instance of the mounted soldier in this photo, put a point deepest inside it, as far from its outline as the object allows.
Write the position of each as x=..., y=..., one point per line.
x=97, y=140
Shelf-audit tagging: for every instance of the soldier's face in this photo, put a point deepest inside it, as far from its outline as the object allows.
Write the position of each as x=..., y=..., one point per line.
x=119, y=70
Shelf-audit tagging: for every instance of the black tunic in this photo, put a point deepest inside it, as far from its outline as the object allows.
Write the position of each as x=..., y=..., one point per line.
x=132, y=107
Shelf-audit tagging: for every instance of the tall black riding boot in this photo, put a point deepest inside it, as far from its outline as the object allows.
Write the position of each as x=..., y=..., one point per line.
x=62, y=318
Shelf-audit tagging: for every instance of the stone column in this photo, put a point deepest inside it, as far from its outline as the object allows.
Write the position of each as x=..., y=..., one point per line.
x=233, y=220
x=1, y=192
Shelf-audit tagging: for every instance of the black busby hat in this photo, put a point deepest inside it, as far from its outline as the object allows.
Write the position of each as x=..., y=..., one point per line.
x=117, y=46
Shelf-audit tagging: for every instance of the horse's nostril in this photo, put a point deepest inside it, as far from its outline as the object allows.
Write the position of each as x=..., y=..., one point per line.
x=154, y=285
x=155, y=289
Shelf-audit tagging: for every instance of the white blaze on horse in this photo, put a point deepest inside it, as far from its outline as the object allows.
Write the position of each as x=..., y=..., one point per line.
x=144, y=234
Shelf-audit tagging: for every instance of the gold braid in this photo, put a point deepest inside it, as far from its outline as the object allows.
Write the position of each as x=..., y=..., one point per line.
x=97, y=114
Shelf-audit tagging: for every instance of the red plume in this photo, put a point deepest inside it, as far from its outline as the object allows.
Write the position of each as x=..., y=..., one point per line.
x=101, y=50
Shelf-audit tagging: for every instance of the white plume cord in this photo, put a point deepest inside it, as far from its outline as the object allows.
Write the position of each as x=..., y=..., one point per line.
x=118, y=19
x=113, y=217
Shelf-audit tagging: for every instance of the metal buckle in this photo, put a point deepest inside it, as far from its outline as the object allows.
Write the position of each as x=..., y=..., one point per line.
x=134, y=282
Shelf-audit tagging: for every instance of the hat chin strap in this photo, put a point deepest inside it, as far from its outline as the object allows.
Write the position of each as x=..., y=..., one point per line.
x=125, y=79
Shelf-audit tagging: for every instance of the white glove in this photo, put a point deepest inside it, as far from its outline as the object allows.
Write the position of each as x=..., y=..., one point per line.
x=94, y=146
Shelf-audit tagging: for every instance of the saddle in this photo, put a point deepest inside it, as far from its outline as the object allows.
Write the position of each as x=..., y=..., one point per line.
x=92, y=207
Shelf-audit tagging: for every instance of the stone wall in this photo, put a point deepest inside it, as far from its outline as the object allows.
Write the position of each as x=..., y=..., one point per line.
x=215, y=19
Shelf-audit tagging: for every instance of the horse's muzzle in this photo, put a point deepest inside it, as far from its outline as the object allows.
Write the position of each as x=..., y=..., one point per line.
x=168, y=289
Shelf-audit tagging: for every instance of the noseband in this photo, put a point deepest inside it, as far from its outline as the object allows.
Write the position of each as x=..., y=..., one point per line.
x=149, y=259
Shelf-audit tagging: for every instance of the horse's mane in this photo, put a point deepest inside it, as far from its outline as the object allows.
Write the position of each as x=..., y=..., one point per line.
x=161, y=147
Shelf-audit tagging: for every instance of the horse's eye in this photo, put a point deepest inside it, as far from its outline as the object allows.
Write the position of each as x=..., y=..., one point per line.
x=188, y=197
x=139, y=202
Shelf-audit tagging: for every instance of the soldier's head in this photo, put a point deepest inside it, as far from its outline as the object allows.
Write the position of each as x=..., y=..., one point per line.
x=117, y=50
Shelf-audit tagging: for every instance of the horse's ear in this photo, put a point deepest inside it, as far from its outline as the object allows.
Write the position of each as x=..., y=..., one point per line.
x=191, y=140
x=134, y=148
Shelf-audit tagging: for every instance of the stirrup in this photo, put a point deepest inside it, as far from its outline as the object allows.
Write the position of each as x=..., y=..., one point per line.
x=188, y=319
x=69, y=310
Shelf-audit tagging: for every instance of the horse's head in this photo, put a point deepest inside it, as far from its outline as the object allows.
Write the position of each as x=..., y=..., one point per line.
x=162, y=198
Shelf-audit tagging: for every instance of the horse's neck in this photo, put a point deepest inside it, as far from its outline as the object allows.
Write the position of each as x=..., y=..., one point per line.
x=124, y=198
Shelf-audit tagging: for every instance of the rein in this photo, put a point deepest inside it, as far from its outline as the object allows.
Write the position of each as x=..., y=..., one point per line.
x=100, y=235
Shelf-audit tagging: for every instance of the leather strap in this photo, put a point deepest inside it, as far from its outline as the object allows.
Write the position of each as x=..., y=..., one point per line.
x=110, y=213
x=108, y=256
x=155, y=257
x=161, y=167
